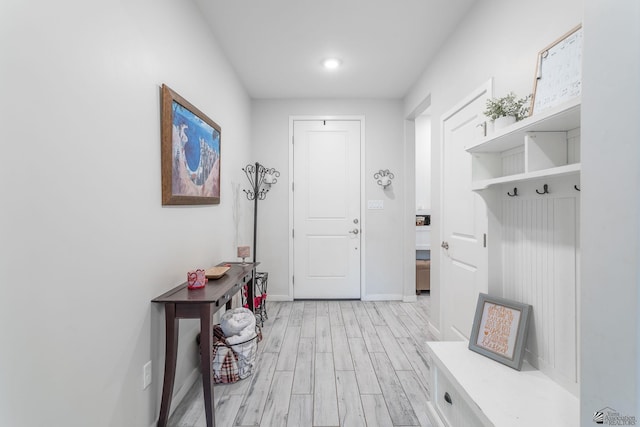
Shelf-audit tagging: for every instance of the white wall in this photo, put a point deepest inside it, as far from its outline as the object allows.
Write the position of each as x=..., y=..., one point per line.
x=610, y=184
x=499, y=39
x=382, y=229
x=84, y=241
x=423, y=162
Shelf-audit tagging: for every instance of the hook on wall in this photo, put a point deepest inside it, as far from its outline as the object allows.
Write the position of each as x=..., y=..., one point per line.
x=545, y=190
x=576, y=187
x=384, y=177
x=515, y=192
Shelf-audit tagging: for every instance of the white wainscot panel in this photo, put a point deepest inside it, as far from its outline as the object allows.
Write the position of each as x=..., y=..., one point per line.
x=539, y=258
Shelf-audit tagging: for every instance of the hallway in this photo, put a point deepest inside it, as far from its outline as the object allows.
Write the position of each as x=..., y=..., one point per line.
x=374, y=350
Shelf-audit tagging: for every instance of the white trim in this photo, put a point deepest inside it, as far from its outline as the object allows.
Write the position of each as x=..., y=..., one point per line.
x=434, y=331
x=410, y=298
x=409, y=211
x=486, y=87
x=361, y=119
x=383, y=297
x=280, y=298
x=459, y=334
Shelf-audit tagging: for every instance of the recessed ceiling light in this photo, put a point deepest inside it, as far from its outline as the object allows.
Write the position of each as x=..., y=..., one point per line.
x=331, y=63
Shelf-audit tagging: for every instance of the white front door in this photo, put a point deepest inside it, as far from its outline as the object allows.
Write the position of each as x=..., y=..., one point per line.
x=464, y=219
x=326, y=209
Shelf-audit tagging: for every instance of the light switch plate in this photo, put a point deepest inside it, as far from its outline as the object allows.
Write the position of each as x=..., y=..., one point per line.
x=375, y=204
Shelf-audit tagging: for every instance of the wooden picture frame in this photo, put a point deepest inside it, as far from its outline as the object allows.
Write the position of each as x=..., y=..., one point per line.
x=558, y=76
x=190, y=153
x=500, y=329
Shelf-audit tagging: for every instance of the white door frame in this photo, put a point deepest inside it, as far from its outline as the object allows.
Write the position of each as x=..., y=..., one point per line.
x=363, y=233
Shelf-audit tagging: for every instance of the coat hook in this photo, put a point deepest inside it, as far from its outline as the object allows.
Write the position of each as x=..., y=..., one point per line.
x=515, y=192
x=576, y=187
x=545, y=190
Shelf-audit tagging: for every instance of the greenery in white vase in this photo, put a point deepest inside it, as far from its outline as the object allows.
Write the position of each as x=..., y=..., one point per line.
x=508, y=105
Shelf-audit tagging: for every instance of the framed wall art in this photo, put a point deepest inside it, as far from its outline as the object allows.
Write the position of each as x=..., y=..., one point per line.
x=558, y=72
x=500, y=330
x=190, y=153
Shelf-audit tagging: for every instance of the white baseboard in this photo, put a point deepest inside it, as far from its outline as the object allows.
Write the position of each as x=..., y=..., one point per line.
x=410, y=298
x=382, y=297
x=271, y=297
x=375, y=297
x=434, y=331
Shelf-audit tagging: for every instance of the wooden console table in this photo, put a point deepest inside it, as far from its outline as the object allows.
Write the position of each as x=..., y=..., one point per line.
x=182, y=303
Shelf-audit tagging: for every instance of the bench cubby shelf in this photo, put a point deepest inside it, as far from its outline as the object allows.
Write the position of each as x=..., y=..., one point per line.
x=543, y=145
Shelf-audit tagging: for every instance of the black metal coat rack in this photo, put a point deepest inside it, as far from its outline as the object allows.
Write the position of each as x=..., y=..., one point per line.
x=261, y=179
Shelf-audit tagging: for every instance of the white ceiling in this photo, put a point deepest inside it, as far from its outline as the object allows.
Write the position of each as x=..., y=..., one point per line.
x=276, y=46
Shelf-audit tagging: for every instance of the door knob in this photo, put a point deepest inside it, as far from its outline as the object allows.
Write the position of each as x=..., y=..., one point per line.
x=444, y=245
x=354, y=231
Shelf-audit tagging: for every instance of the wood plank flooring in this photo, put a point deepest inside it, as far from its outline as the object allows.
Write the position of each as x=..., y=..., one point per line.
x=326, y=364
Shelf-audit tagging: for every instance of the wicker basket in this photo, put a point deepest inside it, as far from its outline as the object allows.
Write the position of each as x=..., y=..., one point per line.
x=232, y=363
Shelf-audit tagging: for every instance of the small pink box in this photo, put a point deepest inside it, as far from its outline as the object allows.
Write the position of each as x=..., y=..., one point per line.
x=196, y=279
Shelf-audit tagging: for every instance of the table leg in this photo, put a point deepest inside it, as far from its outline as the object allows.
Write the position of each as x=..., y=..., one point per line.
x=171, y=354
x=251, y=290
x=206, y=334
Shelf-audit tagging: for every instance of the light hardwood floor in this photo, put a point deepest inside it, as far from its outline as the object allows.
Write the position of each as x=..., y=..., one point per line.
x=328, y=363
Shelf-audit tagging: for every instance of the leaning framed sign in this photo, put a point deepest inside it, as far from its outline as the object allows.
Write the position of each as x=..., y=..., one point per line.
x=190, y=153
x=500, y=330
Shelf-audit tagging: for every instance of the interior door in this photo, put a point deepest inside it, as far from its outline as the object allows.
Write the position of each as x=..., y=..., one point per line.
x=464, y=219
x=326, y=209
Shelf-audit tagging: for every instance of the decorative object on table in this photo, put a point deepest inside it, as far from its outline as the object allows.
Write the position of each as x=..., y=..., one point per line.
x=261, y=179
x=500, y=329
x=217, y=272
x=196, y=279
x=507, y=110
x=558, y=75
x=383, y=177
x=190, y=153
x=244, y=252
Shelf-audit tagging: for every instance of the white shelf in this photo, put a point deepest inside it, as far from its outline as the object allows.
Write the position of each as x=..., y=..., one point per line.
x=562, y=118
x=544, y=145
x=557, y=171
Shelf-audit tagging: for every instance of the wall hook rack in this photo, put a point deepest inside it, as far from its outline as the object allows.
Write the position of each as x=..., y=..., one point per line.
x=576, y=187
x=515, y=192
x=384, y=177
x=545, y=190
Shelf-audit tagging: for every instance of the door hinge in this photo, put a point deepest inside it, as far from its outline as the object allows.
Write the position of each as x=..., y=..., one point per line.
x=485, y=240
x=293, y=234
x=292, y=186
x=293, y=280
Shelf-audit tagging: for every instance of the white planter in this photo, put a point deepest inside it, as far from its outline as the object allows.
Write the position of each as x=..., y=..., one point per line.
x=502, y=122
